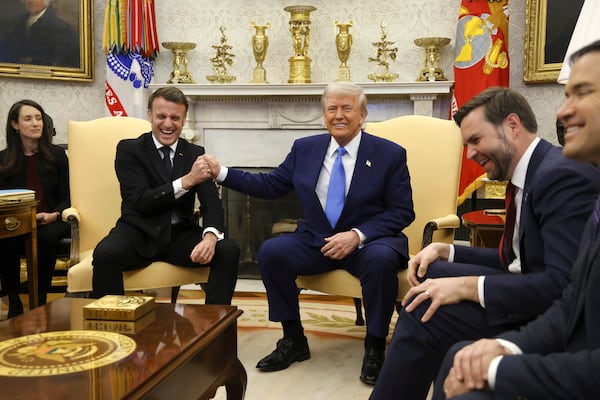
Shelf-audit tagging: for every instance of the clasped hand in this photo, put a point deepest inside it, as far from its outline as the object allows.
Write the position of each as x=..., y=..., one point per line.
x=441, y=291
x=470, y=367
x=200, y=172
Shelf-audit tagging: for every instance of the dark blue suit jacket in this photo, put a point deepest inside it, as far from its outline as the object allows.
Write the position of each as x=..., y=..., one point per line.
x=562, y=346
x=557, y=200
x=378, y=203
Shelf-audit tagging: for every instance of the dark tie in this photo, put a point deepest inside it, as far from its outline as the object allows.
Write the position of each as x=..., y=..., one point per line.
x=596, y=220
x=505, y=248
x=336, y=193
x=166, y=152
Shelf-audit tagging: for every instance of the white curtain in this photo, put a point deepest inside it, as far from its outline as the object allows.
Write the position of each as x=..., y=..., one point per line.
x=586, y=31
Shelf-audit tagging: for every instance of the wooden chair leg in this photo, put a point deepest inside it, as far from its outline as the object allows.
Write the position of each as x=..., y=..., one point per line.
x=360, y=321
x=174, y=293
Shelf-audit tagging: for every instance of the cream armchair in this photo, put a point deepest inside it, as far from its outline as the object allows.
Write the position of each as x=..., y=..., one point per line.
x=96, y=206
x=434, y=148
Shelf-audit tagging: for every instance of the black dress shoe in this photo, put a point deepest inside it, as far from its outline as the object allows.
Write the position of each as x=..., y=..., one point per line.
x=371, y=366
x=287, y=351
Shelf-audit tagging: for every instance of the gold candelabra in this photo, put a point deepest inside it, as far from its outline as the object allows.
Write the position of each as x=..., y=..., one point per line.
x=300, y=30
x=180, y=73
x=343, y=44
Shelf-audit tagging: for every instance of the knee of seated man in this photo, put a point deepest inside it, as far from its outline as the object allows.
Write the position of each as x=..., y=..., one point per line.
x=439, y=269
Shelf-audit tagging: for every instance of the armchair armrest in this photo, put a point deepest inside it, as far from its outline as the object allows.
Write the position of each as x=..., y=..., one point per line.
x=71, y=215
x=450, y=221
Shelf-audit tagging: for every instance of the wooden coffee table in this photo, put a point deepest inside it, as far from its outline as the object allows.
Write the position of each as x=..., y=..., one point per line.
x=186, y=353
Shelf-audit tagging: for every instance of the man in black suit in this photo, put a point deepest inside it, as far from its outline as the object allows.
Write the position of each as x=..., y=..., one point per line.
x=465, y=293
x=157, y=211
x=557, y=355
x=41, y=37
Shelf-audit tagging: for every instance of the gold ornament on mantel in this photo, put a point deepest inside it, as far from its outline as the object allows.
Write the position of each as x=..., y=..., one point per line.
x=300, y=30
x=220, y=60
x=260, y=43
x=431, y=70
x=343, y=44
x=385, y=54
x=180, y=73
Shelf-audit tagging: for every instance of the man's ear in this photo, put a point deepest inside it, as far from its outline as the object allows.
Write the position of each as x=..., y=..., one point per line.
x=513, y=122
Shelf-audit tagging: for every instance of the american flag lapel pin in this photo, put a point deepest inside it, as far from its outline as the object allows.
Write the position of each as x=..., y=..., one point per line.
x=368, y=163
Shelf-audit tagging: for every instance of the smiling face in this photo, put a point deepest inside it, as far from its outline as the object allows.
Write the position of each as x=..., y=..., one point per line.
x=30, y=123
x=580, y=113
x=343, y=117
x=488, y=145
x=167, y=119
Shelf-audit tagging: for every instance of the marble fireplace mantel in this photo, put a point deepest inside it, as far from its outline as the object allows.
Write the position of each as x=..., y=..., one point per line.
x=254, y=125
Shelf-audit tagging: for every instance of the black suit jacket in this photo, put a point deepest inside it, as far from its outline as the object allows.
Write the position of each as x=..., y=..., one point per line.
x=562, y=346
x=148, y=201
x=55, y=182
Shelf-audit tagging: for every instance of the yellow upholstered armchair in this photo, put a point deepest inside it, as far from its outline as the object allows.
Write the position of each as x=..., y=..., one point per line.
x=96, y=206
x=434, y=149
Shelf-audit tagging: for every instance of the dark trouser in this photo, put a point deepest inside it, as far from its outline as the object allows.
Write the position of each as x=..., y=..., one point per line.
x=13, y=248
x=283, y=258
x=116, y=253
x=417, y=349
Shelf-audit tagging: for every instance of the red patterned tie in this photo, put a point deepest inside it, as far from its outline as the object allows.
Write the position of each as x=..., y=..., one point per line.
x=505, y=247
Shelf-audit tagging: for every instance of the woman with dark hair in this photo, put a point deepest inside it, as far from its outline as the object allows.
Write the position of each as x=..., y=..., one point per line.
x=31, y=161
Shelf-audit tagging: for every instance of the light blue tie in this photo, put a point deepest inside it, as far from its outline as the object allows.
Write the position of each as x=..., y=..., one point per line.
x=336, y=193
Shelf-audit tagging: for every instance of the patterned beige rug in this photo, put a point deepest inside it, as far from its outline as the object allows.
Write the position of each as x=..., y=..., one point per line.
x=322, y=314
x=336, y=345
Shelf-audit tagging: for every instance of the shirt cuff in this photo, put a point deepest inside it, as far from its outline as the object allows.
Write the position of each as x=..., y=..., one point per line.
x=222, y=174
x=361, y=237
x=451, y=253
x=480, y=290
x=220, y=235
x=493, y=368
x=178, y=189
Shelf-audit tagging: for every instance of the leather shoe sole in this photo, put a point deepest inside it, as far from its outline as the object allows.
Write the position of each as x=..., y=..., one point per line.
x=371, y=366
x=286, y=352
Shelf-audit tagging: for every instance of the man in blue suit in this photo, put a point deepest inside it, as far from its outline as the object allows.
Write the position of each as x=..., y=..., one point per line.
x=461, y=293
x=364, y=237
x=557, y=355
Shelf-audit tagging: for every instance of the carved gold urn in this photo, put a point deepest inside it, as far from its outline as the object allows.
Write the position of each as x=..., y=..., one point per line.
x=343, y=44
x=260, y=44
x=431, y=70
x=180, y=73
x=300, y=30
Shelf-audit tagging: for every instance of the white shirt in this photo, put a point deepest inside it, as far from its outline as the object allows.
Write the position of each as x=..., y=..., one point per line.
x=178, y=189
x=349, y=161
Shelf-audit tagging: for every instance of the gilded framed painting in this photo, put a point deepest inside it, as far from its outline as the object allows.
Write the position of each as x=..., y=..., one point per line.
x=47, y=39
x=549, y=25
